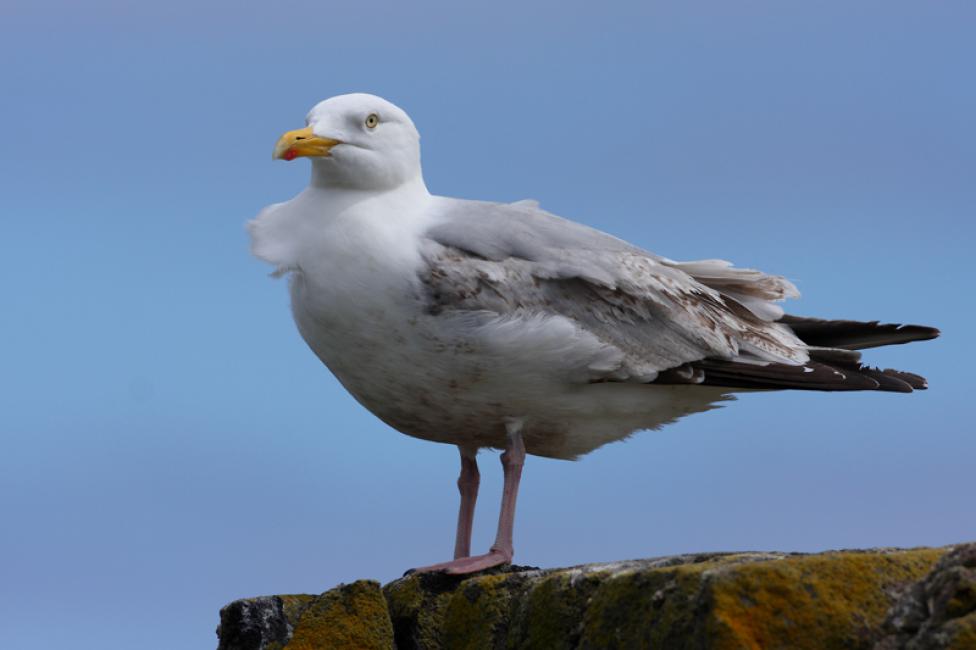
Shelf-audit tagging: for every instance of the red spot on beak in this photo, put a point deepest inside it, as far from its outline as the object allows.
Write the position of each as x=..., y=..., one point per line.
x=290, y=154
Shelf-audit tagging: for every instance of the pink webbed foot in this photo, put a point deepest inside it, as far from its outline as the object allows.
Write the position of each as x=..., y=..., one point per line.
x=466, y=565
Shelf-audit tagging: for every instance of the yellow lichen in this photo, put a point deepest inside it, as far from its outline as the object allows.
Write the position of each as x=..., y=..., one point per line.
x=832, y=600
x=353, y=617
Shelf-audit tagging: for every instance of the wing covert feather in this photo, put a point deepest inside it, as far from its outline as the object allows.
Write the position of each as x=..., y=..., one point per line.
x=517, y=258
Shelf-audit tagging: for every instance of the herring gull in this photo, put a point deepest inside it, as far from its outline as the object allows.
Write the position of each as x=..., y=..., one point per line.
x=494, y=325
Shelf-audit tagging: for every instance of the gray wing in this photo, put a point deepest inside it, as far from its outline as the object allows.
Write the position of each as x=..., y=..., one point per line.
x=516, y=259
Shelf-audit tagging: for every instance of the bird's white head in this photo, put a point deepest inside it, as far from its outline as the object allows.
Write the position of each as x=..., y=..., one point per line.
x=356, y=141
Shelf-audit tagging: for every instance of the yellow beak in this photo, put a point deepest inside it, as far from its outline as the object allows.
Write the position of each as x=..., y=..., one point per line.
x=302, y=142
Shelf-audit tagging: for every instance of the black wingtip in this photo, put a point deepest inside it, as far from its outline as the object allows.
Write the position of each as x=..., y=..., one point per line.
x=916, y=332
x=924, y=332
x=887, y=381
x=855, y=335
x=918, y=382
x=813, y=375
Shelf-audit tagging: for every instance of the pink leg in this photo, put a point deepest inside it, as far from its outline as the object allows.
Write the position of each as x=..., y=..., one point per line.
x=512, y=461
x=467, y=484
x=502, y=550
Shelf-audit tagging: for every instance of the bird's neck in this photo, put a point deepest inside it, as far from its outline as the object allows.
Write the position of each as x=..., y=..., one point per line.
x=341, y=198
x=327, y=173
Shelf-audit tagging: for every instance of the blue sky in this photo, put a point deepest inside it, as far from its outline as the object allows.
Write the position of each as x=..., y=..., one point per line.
x=168, y=442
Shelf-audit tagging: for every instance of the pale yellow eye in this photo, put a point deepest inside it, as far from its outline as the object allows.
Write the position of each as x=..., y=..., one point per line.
x=372, y=120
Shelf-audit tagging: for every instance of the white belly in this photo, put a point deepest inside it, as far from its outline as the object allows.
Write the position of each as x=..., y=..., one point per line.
x=397, y=362
x=423, y=378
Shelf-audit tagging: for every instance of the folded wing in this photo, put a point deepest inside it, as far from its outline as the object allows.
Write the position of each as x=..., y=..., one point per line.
x=518, y=259
x=702, y=322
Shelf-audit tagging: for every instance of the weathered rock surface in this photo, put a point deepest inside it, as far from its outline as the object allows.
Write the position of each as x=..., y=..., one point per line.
x=349, y=616
x=939, y=612
x=885, y=599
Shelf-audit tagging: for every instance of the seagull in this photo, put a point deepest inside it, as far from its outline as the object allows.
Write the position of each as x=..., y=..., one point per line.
x=503, y=326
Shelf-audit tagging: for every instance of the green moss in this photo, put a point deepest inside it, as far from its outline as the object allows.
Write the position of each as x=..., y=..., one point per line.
x=416, y=608
x=962, y=633
x=474, y=613
x=551, y=614
x=433, y=611
x=963, y=599
x=647, y=608
x=353, y=616
x=404, y=595
x=548, y=616
x=294, y=605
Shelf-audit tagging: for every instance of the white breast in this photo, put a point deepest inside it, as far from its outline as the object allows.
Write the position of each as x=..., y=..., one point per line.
x=356, y=294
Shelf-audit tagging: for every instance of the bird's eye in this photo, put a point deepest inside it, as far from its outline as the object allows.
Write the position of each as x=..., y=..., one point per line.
x=372, y=120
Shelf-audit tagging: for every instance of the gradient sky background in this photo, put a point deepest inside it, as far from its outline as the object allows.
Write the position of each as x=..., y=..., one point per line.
x=168, y=442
